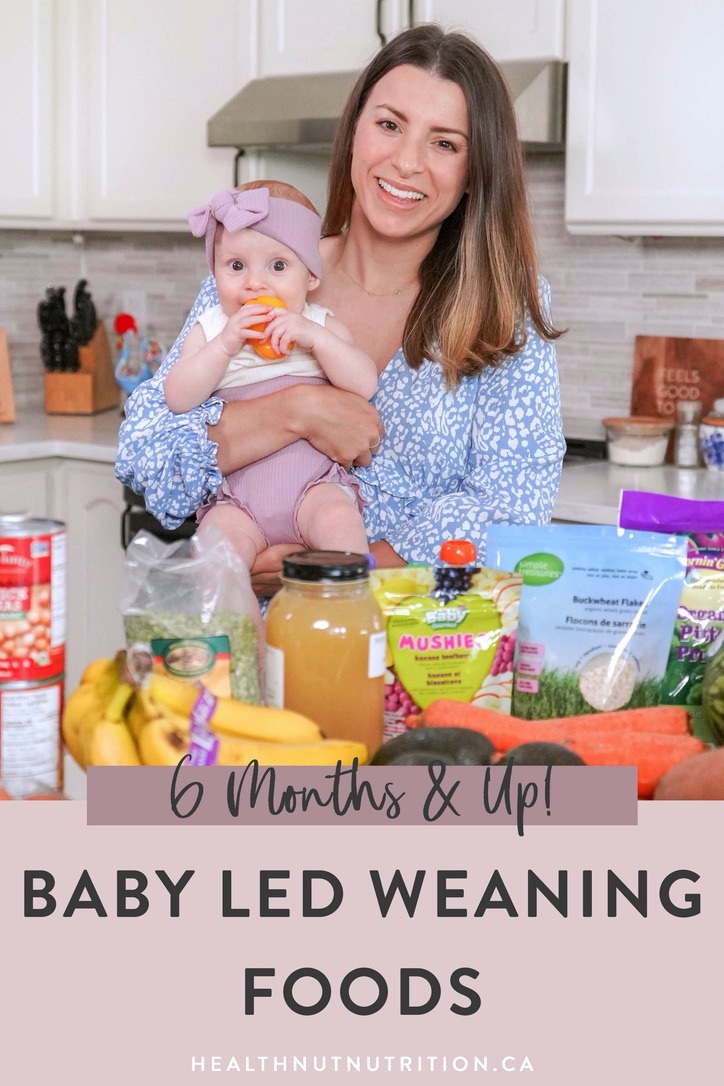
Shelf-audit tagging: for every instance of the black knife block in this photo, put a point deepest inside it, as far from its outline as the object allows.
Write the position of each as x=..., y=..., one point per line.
x=92, y=388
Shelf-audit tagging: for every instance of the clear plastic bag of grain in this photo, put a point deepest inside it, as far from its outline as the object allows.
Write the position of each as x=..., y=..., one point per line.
x=190, y=605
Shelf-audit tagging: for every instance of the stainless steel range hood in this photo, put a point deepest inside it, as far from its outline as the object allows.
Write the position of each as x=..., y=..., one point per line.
x=299, y=113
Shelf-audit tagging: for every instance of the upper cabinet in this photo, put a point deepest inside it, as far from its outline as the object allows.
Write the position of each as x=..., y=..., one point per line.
x=27, y=134
x=645, y=142
x=301, y=37
x=307, y=36
x=508, y=29
x=156, y=71
x=106, y=104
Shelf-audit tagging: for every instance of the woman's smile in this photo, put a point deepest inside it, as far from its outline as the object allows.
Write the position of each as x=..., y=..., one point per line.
x=408, y=195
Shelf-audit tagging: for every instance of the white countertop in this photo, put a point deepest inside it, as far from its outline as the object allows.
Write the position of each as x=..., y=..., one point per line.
x=79, y=437
x=590, y=492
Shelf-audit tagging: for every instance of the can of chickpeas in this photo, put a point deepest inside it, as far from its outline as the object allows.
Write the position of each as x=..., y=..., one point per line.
x=32, y=598
x=32, y=651
x=30, y=739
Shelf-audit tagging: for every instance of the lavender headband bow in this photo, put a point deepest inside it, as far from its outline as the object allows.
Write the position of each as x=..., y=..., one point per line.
x=284, y=220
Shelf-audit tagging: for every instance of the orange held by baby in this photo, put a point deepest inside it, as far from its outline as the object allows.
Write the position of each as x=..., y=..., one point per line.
x=264, y=347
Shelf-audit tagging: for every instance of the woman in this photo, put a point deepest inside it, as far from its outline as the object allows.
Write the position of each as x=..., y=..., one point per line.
x=428, y=244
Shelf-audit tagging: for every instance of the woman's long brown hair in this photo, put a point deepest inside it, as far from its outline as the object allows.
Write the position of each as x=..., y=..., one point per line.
x=480, y=280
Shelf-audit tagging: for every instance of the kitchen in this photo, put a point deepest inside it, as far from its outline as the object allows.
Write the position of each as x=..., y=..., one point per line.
x=100, y=184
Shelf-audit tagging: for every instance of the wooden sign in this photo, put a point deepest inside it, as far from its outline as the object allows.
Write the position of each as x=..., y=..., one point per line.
x=671, y=368
x=7, y=399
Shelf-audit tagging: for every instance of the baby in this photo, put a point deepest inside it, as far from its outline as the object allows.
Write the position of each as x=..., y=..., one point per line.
x=262, y=242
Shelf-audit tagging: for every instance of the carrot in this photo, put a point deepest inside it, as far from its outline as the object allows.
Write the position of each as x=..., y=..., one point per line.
x=652, y=754
x=666, y=719
x=599, y=739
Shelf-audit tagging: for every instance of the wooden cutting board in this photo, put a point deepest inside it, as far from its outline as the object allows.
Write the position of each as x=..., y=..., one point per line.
x=7, y=399
x=671, y=368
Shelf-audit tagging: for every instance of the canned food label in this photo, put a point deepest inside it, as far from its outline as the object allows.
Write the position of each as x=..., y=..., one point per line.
x=274, y=676
x=30, y=734
x=32, y=606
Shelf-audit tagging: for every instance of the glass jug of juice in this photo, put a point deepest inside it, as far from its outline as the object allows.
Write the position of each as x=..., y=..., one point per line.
x=325, y=646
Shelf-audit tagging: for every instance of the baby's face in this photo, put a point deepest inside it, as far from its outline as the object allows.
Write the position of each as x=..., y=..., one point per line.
x=249, y=265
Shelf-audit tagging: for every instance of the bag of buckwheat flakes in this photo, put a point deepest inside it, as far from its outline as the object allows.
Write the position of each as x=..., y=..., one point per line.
x=597, y=611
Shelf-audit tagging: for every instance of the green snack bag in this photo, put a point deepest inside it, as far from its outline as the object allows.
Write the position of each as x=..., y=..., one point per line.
x=700, y=615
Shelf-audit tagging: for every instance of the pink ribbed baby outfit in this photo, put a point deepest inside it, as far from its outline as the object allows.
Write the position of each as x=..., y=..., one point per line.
x=270, y=490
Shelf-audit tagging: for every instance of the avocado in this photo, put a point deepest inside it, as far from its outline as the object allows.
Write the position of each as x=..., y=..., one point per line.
x=541, y=753
x=420, y=746
x=420, y=757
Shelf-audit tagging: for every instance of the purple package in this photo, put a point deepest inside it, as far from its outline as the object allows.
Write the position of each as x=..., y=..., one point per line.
x=702, y=520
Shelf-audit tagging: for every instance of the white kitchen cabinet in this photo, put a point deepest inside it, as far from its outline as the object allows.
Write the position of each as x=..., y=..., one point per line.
x=90, y=501
x=307, y=36
x=645, y=142
x=507, y=29
x=28, y=486
x=156, y=72
x=27, y=69
x=110, y=100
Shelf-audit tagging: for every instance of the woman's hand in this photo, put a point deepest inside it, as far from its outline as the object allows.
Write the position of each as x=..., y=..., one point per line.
x=340, y=424
x=265, y=573
x=385, y=557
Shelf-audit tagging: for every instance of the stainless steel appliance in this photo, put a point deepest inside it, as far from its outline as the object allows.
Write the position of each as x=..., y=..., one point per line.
x=136, y=517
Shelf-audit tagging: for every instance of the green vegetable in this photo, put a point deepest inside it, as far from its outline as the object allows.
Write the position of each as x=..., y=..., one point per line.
x=712, y=694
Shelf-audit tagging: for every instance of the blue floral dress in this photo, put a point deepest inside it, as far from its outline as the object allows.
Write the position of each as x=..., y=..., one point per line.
x=451, y=462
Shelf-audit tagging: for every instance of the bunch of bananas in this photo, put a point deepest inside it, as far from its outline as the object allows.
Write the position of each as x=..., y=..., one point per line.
x=94, y=727
x=109, y=721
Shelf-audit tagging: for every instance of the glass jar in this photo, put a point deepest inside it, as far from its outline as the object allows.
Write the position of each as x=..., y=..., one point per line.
x=686, y=439
x=325, y=646
x=637, y=440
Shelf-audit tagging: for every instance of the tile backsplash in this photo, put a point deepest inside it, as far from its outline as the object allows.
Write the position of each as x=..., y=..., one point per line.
x=606, y=290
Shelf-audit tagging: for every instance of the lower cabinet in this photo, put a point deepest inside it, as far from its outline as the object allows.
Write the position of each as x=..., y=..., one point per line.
x=27, y=486
x=91, y=504
x=88, y=498
x=90, y=501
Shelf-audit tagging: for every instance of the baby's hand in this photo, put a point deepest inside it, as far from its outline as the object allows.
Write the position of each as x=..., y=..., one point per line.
x=238, y=329
x=286, y=330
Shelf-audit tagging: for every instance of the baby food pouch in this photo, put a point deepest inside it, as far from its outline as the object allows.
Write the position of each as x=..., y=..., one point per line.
x=597, y=611
x=450, y=634
x=700, y=616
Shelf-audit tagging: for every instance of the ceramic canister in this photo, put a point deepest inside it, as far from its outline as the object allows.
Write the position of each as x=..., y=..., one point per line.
x=711, y=437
